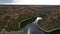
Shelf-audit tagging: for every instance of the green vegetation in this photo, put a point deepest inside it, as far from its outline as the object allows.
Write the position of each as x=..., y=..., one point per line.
x=14, y=24
x=12, y=16
x=49, y=24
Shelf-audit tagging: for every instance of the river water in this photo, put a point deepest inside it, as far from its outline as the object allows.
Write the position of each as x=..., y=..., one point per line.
x=33, y=29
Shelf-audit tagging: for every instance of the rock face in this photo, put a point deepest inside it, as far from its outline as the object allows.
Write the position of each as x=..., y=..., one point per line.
x=11, y=16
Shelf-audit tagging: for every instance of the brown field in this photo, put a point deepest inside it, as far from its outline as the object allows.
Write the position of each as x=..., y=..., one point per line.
x=11, y=16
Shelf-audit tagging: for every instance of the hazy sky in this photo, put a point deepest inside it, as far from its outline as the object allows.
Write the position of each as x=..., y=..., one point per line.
x=31, y=2
x=6, y=0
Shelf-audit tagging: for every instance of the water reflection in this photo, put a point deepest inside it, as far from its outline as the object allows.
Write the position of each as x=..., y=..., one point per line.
x=32, y=28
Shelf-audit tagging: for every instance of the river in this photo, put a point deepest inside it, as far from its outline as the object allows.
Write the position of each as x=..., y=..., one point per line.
x=32, y=29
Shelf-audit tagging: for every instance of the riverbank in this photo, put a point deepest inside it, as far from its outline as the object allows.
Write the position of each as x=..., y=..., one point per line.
x=47, y=30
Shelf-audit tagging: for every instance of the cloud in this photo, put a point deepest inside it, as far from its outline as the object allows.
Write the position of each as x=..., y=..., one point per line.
x=33, y=2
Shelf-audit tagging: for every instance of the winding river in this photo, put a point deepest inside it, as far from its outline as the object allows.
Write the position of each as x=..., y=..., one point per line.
x=32, y=28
